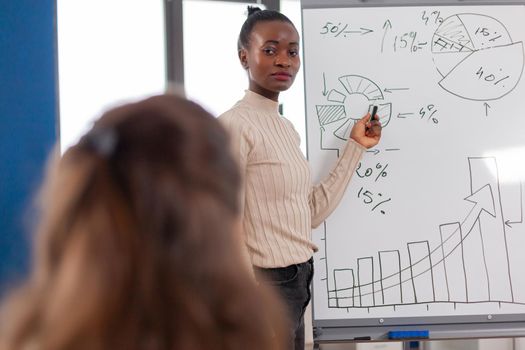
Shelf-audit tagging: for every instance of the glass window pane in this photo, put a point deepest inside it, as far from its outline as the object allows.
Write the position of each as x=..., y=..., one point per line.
x=213, y=76
x=109, y=52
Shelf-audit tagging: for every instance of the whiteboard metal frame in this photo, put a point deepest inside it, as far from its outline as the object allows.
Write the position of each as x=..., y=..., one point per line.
x=318, y=4
x=440, y=327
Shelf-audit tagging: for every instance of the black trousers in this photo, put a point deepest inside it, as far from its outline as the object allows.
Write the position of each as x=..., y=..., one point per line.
x=293, y=284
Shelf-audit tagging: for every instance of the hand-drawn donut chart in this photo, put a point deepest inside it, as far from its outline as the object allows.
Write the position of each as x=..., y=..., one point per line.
x=352, y=104
x=477, y=57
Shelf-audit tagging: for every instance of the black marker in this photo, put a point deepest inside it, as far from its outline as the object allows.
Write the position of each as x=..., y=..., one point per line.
x=363, y=338
x=374, y=111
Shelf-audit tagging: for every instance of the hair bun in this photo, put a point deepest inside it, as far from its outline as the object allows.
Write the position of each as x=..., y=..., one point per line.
x=253, y=9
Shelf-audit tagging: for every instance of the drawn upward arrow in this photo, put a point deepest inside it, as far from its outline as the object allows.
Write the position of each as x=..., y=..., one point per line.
x=324, y=86
x=508, y=222
x=386, y=26
x=395, y=89
x=483, y=200
x=487, y=106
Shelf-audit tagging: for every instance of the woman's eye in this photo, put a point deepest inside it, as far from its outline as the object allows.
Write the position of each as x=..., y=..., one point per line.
x=293, y=53
x=269, y=51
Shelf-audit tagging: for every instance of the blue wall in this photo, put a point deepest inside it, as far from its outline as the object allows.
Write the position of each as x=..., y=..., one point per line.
x=28, y=110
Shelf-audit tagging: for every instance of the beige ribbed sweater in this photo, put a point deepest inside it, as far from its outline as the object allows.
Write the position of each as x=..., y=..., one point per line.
x=280, y=205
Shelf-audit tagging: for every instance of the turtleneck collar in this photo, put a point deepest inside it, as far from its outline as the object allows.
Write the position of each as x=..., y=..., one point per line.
x=261, y=102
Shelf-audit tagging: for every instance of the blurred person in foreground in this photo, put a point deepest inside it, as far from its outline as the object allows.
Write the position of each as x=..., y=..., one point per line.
x=137, y=246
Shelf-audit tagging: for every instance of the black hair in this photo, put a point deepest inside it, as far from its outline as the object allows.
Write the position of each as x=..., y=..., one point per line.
x=255, y=15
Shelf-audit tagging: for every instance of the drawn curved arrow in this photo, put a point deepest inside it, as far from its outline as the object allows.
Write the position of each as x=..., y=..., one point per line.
x=483, y=200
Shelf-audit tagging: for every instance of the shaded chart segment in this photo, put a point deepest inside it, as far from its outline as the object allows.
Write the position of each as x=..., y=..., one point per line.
x=452, y=36
x=486, y=74
x=328, y=114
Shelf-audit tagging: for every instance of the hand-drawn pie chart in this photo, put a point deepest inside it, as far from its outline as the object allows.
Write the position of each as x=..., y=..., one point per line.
x=477, y=57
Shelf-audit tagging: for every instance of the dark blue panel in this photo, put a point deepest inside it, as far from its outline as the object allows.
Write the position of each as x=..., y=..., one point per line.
x=27, y=120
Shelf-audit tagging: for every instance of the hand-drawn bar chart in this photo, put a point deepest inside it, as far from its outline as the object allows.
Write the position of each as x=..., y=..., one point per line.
x=475, y=245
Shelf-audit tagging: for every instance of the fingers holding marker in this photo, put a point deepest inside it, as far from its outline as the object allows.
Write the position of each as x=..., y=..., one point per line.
x=373, y=126
x=366, y=131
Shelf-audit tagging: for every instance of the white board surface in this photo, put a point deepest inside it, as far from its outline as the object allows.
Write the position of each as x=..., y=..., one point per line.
x=432, y=221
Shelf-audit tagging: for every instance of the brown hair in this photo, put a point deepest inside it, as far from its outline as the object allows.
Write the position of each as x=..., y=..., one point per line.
x=136, y=247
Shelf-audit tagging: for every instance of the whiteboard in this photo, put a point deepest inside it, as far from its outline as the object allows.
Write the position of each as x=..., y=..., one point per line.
x=430, y=229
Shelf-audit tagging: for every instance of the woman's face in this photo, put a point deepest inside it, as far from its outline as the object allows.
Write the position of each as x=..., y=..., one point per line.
x=272, y=58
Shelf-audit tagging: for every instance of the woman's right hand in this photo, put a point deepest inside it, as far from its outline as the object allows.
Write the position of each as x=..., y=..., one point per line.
x=365, y=132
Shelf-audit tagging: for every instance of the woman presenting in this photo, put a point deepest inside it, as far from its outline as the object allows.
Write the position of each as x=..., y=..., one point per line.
x=280, y=205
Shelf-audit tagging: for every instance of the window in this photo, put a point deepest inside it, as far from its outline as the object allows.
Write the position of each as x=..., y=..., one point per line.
x=213, y=76
x=109, y=52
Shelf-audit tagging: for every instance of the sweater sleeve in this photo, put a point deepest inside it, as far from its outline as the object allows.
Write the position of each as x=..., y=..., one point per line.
x=325, y=196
